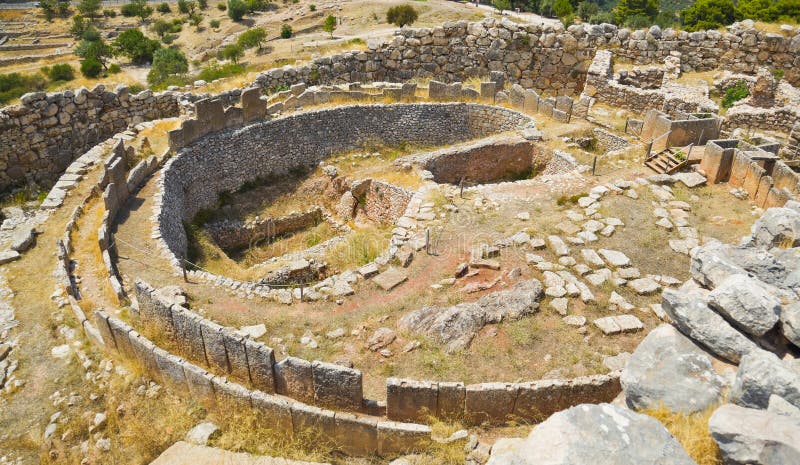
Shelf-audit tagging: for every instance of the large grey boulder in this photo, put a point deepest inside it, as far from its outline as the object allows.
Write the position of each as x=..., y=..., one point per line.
x=590, y=434
x=669, y=369
x=456, y=326
x=23, y=238
x=778, y=226
x=780, y=406
x=714, y=262
x=749, y=436
x=790, y=322
x=745, y=302
x=689, y=312
x=762, y=374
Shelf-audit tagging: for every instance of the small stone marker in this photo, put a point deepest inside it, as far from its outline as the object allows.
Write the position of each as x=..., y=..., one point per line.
x=203, y=433
x=369, y=270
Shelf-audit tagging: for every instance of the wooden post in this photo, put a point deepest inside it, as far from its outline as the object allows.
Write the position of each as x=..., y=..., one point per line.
x=428, y=241
x=301, y=292
x=461, y=188
x=183, y=269
x=627, y=118
x=594, y=164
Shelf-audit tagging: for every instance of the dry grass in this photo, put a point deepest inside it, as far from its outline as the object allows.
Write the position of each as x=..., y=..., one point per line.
x=295, y=242
x=360, y=248
x=692, y=432
x=157, y=134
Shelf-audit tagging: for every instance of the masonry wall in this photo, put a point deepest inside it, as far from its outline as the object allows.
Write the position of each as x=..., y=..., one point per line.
x=224, y=160
x=237, y=234
x=546, y=58
x=357, y=435
x=43, y=134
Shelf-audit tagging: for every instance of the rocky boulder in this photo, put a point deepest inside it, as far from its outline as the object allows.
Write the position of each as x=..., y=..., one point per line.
x=669, y=369
x=762, y=374
x=745, y=302
x=456, y=326
x=689, y=312
x=777, y=226
x=790, y=322
x=590, y=434
x=714, y=262
x=749, y=436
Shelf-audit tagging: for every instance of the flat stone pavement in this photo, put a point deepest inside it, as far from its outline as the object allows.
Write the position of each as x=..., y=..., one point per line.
x=183, y=453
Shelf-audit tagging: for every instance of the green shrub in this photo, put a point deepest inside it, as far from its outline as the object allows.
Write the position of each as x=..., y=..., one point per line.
x=109, y=13
x=91, y=34
x=733, y=94
x=710, y=14
x=135, y=88
x=215, y=71
x=91, y=67
x=15, y=85
x=312, y=7
x=221, y=6
x=254, y=37
x=164, y=8
x=202, y=4
x=61, y=72
x=214, y=23
x=604, y=17
x=232, y=52
x=401, y=15
x=167, y=62
x=286, y=31
x=114, y=69
x=562, y=8
x=237, y=9
x=136, y=46
x=168, y=38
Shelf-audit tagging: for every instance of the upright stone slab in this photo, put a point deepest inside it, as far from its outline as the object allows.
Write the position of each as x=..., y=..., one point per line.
x=411, y=400
x=489, y=402
x=200, y=382
x=753, y=179
x=564, y=103
x=739, y=169
x=307, y=419
x=517, y=96
x=409, y=91
x=294, y=378
x=144, y=351
x=488, y=90
x=356, y=435
x=764, y=186
x=252, y=106
x=211, y=113
x=229, y=394
x=437, y=90
x=538, y=400
x=171, y=368
x=214, y=344
x=402, y=438
x=237, y=355
x=450, y=401
x=499, y=77
x=188, y=332
x=337, y=386
x=277, y=411
x=546, y=107
x=531, y=101
x=261, y=360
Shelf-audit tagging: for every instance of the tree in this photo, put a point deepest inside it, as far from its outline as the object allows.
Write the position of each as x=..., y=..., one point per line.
x=562, y=8
x=710, y=14
x=161, y=27
x=627, y=8
x=63, y=8
x=89, y=8
x=195, y=20
x=164, y=8
x=203, y=4
x=138, y=8
x=91, y=67
x=136, y=46
x=48, y=9
x=329, y=25
x=587, y=9
x=232, y=52
x=401, y=15
x=502, y=4
x=237, y=9
x=252, y=38
x=167, y=62
x=286, y=31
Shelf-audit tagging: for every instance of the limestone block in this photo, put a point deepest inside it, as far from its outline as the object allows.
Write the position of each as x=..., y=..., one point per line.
x=214, y=344
x=538, y=400
x=294, y=378
x=237, y=356
x=277, y=411
x=402, y=438
x=144, y=351
x=120, y=331
x=101, y=323
x=200, y=382
x=356, y=435
x=437, y=90
x=171, y=368
x=252, y=106
x=546, y=107
x=488, y=90
x=211, y=113
x=230, y=395
x=450, y=403
x=561, y=116
x=739, y=169
x=752, y=179
x=411, y=400
x=261, y=360
x=309, y=419
x=337, y=386
x=188, y=334
x=531, y=101
x=489, y=402
x=764, y=186
x=409, y=90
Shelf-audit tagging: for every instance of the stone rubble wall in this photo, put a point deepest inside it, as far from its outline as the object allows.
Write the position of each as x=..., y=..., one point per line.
x=381, y=202
x=357, y=435
x=43, y=134
x=767, y=180
x=780, y=118
x=192, y=179
x=546, y=58
x=237, y=234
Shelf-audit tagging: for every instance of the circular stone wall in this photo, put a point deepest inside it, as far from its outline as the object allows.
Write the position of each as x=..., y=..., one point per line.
x=223, y=161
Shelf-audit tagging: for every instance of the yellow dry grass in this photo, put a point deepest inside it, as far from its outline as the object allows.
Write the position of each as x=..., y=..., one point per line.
x=692, y=432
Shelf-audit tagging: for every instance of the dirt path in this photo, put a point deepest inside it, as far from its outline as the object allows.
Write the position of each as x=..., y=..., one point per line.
x=24, y=417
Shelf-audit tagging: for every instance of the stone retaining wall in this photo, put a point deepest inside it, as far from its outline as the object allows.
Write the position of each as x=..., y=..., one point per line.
x=666, y=131
x=357, y=435
x=767, y=180
x=236, y=234
x=544, y=57
x=43, y=134
x=225, y=351
x=191, y=180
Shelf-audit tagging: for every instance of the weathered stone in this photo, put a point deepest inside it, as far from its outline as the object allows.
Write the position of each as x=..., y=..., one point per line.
x=762, y=374
x=746, y=303
x=337, y=386
x=669, y=369
x=390, y=278
x=294, y=378
x=749, y=436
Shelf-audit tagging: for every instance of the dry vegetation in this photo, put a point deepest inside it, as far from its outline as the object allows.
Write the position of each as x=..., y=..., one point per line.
x=692, y=432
